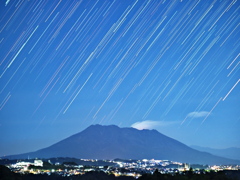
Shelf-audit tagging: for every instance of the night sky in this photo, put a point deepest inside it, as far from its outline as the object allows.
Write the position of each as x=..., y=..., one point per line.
x=167, y=65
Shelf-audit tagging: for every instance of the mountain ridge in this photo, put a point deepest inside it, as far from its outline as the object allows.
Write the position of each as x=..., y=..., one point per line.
x=231, y=153
x=110, y=142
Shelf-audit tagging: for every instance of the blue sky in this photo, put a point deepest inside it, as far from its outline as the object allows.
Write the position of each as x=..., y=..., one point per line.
x=166, y=65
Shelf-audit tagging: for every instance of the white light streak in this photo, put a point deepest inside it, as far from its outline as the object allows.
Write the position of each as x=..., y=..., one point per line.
x=231, y=90
x=21, y=48
x=77, y=93
x=5, y=101
x=210, y=112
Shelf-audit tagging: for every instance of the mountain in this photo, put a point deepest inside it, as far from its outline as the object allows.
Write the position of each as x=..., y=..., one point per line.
x=231, y=153
x=110, y=142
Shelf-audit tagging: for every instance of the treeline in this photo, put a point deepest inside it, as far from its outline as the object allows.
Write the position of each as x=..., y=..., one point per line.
x=190, y=175
x=7, y=174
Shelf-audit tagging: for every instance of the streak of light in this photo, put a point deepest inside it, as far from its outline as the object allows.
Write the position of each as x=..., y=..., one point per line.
x=45, y=97
x=176, y=82
x=155, y=101
x=229, y=35
x=22, y=47
x=12, y=76
x=108, y=97
x=197, y=23
x=177, y=97
x=53, y=10
x=124, y=17
x=5, y=100
x=18, y=53
x=230, y=5
x=116, y=109
x=12, y=48
x=210, y=112
x=36, y=7
x=189, y=49
x=194, y=7
x=79, y=71
x=11, y=17
x=205, y=52
x=76, y=6
x=233, y=69
x=40, y=123
x=233, y=61
x=199, y=107
x=42, y=33
x=231, y=89
x=86, y=17
x=53, y=76
x=6, y=3
x=135, y=18
x=77, y=93
x=155, y=29
x=218, y=18
x=66, y=16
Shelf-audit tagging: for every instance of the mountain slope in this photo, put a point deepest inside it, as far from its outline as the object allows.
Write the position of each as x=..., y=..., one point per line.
x=109, y=142
x=231, y=153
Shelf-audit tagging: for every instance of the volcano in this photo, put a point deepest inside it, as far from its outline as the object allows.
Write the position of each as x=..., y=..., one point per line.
x=110, y=142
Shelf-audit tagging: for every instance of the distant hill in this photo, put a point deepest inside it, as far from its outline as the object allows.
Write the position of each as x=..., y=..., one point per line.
x=231, y=153
x=110, y=142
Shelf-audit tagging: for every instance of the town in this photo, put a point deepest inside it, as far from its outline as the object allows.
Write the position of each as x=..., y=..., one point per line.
x=69, y=167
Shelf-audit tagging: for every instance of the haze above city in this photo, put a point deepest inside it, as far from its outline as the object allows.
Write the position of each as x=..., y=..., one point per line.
x=172, y=66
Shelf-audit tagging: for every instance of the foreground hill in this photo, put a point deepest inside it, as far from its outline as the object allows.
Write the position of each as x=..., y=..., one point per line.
x=110, y=142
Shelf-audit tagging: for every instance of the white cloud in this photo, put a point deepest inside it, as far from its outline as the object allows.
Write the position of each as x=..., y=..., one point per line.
x=197, y=114
x=149, y=124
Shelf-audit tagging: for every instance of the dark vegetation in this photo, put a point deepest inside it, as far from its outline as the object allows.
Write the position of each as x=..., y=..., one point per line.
x=189, y=175
x=7, y=174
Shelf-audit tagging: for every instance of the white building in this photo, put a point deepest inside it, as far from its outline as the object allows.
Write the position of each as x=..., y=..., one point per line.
x=38, y=163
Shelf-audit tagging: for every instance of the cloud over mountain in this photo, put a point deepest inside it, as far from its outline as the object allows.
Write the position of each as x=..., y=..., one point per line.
x=149, y=124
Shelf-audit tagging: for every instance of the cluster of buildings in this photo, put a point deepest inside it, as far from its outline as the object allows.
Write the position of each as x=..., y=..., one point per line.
x=23, y=165
x=224, y=167
x=133, y=168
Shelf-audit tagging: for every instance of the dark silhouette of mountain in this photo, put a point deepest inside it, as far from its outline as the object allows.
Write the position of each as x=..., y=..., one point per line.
x=231, y=153
x=110, y=142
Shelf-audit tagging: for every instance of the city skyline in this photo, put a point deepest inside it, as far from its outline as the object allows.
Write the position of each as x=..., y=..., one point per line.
x=172, y=66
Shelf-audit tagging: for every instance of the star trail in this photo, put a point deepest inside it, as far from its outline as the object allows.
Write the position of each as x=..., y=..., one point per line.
x=167, y=65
